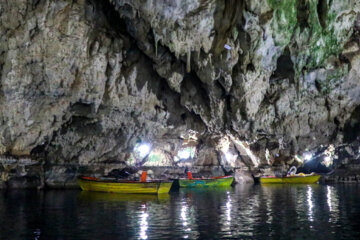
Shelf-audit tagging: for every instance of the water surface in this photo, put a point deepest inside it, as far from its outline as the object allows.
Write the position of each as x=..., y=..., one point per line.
x=244, y=212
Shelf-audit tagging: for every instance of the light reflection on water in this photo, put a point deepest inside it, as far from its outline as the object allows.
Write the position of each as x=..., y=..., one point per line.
x=185, y=220
x=244, y=212
x=328, y=195
x=310, y=203
x=333, y=203
x=225, y=218
x=143, y=222
x=228, y=210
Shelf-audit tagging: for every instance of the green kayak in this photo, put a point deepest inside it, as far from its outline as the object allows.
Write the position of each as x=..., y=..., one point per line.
x=190, y=182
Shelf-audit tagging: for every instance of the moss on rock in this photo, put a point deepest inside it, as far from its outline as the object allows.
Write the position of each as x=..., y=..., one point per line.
x=284, y=20
x=321, y=38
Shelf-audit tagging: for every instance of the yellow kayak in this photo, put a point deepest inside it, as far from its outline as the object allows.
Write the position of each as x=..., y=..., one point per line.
x=300, y=178
x=124, y=186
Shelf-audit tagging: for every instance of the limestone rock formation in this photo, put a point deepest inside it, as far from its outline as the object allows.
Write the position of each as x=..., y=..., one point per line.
x=240, y=86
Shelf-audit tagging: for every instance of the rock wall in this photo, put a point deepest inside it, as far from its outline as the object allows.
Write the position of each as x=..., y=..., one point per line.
x=245, y=86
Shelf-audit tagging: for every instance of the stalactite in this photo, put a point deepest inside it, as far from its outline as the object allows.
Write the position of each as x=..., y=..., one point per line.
x=156, y=44
x=188, y=61
x=157, y=38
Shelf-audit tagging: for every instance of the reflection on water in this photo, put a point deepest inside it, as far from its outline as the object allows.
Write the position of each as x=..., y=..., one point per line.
x=245, y=212
x=310, y=203
x=184, y=218
x=333, y=203
x=117, y=197
x=328, y=195
x=226, y=216
x=188, y=214
x=143, y=222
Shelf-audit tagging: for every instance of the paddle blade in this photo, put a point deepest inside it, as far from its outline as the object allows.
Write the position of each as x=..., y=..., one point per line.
x=143, y=176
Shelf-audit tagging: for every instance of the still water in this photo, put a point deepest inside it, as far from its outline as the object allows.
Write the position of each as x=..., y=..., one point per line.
x=244, y=212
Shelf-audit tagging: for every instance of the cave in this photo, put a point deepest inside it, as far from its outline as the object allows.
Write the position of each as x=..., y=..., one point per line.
x=175, y=119
x=121, y=87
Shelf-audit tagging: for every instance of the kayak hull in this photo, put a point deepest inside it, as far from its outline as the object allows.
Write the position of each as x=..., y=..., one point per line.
x=291, y=179
x=208, y=182
x=150, y=187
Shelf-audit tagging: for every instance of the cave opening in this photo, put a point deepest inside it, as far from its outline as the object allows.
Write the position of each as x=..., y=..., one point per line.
x=352, y=126
x=107, y=10
x=302, y=14
x=250, y=67
x=284, y=68
x=185, y=153
x=322, y=9
x=142, y=149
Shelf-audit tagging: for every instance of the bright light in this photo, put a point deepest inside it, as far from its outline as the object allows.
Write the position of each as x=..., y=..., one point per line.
x=327, y=159
x=143, y=149
x=184, y=154
x=229, y=156
x=307, y=156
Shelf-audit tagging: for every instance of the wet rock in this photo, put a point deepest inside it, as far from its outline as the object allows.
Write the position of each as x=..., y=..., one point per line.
x=243, y=177
x=21, y=173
